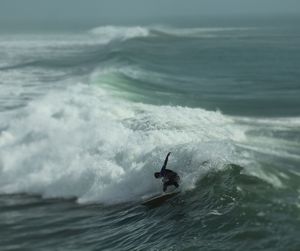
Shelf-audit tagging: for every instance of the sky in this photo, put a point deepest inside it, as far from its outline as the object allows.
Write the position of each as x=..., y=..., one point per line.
x=18, y=11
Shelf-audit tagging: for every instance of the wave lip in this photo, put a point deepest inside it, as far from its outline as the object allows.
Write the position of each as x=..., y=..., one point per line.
x=109, y=33
x=195, y=31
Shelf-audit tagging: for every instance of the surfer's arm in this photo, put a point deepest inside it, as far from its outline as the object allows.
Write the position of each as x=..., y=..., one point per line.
x=165, y=163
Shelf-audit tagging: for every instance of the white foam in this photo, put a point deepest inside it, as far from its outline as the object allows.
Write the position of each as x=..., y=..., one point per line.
x=110, y=33
x=275, y=123
x=81, y=142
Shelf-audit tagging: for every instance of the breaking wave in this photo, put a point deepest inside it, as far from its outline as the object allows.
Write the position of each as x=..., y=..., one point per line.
x=83, y=143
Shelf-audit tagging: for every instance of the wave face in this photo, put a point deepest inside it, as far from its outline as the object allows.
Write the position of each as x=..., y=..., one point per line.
x=87, y=118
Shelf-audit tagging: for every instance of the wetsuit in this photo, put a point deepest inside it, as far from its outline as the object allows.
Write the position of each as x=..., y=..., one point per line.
x=169, y=177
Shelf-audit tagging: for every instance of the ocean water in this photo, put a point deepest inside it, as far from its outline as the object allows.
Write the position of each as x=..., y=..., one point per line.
x=87, y=117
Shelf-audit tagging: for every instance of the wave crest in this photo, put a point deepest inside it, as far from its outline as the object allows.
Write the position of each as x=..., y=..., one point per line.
x=110, y=33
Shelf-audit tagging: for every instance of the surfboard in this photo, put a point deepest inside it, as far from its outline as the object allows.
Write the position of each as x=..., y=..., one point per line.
x=159, y=199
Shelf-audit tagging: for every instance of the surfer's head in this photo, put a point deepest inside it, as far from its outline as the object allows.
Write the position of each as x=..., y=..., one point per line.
x=157, y=175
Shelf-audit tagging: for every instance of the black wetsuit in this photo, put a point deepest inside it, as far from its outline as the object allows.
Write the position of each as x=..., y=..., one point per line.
x=169, y=177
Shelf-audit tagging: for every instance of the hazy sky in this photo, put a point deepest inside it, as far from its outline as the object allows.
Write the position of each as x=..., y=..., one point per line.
x=26, y=10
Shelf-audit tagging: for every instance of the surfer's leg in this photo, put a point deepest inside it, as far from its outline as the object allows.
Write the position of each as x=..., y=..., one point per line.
x=165, y=187
x=166, y=184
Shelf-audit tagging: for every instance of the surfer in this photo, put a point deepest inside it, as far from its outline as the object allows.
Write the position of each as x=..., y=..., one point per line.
x=170, y=178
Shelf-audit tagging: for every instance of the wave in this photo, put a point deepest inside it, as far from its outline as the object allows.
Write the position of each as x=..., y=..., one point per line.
x=83, y=143
x=110, y=33
x=26, y=50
